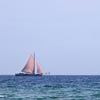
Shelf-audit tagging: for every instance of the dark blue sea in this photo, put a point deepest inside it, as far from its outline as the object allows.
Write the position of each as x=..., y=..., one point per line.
x=50, y=87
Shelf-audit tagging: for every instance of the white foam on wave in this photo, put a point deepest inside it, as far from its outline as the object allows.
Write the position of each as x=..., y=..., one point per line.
x=2, y=96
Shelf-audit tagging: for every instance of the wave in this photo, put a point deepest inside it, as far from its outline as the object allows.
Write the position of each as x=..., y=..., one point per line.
x=2, y=96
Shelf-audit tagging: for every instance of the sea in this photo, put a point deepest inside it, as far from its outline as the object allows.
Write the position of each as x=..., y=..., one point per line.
x=50, y=87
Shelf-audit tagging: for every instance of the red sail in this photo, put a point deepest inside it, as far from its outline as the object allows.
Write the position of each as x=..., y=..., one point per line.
x=39, y=70
x=30, y=65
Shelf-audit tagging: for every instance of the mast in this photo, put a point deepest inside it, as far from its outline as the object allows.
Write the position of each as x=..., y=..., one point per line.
x=34, y=64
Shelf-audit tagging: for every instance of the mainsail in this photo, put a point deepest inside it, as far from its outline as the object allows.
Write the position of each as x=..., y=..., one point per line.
x=30, y=65
x=39, y=70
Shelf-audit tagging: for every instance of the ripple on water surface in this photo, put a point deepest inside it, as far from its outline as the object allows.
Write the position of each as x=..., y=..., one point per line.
x=50, y=88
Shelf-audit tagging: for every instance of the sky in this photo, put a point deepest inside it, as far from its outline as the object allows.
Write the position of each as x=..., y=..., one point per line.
x=64, y=34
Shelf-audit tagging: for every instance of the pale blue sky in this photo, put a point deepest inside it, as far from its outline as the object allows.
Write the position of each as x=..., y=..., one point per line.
x=65, y=35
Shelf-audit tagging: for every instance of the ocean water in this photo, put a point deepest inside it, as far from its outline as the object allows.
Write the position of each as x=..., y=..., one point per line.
x=50, y=88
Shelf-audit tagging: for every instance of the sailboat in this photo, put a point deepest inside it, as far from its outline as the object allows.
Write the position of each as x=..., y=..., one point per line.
x=29, y=68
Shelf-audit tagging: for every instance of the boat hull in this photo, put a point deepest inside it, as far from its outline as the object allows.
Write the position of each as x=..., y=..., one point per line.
x=23, y=74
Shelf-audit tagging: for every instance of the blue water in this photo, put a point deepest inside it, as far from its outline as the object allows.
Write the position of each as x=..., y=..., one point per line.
x=50, y=88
